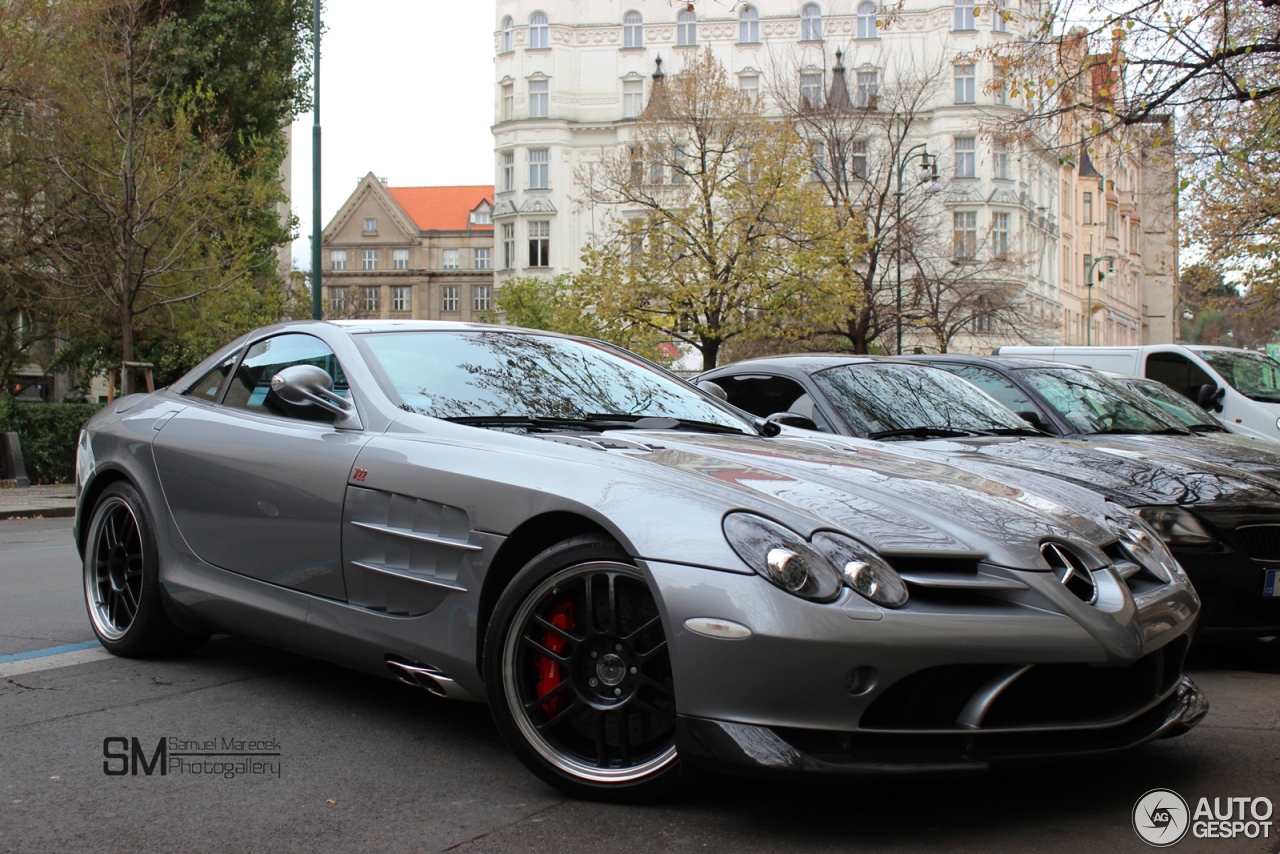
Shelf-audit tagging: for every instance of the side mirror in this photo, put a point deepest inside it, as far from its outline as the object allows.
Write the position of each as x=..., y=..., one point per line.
x=1209, y=397
x=793, y=419
x=308, y=385
x=1033, y=418
x=713, y=389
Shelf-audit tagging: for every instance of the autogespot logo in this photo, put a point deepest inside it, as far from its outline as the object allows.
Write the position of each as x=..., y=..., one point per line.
x=1160, y=817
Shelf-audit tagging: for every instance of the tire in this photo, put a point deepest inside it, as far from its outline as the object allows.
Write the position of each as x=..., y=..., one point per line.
x=122, y=579
x=578, y=675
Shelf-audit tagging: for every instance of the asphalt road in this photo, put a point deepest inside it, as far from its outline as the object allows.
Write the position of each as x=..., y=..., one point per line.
x=370, y=765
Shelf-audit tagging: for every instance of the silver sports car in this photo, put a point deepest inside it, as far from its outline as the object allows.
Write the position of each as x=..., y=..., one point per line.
x=636, y=577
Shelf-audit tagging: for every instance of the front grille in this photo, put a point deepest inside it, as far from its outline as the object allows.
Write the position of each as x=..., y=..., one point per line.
x=1260, y=542
x=1046, y=695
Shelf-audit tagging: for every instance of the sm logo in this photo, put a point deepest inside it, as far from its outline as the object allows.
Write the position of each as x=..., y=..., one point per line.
x=132, y=756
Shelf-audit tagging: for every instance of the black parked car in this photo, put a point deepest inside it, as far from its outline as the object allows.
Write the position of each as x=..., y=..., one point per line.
x=1222, y=524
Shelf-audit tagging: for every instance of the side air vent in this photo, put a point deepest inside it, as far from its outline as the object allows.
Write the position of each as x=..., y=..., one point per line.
x=1072, y=571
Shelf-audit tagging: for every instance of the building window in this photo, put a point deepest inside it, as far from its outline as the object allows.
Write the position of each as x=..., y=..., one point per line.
x=508, y=34
x=508, y=171
x=538, y=98
x=338, y=299
x=1000, y=158
x=400, y=297
x=867, y=21
x=539, y=33
x=657, y=172
x=539, y=163
x=817, y=160
x=481, y=258
x=449, y=259
x=371, y=225
x=1086, y=216
x=750, y=88
x=449, y=298
x=1002, y=94
x=1000, y=21
x=868, y=89
x=1111, y=220
x=338, y=259
x=1000, y=235
x=540, y=243
x=632, y=30
x=677, y=165
x=966, y=234
x=686, y=28
x=481, y=297
x=399, y=259
x=858, y=158
x=508, y=246
x=811, y=91
x=749, y=25
x=965, y=89
x=632, y=98
x=966, y=156
x=1134, y=238
x=368, y=259
x=508, y=101
x=810, y=23
x=484, y=217
x=370, y=301
x=963, y=15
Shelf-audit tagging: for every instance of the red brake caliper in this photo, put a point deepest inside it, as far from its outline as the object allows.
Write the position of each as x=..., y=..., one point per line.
x=550, y=673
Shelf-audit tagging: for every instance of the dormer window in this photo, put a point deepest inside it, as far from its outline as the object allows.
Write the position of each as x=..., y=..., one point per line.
x=370, y=225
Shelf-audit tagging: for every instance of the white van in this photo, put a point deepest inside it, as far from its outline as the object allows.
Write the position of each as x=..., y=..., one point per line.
x=1241, y=385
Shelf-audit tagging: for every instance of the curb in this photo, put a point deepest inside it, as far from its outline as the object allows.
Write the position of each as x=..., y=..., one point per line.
x=32, y=512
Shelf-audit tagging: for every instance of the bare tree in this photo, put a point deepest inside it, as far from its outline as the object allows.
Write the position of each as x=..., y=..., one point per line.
x=702, y=209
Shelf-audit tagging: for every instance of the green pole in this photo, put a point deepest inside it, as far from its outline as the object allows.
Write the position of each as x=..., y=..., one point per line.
x=317, y=307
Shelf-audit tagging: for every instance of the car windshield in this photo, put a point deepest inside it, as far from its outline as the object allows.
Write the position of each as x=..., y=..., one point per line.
x=1252, y=374
x=1172, y=405
x=496, y=374
x=883, y=397
x=1091, y=404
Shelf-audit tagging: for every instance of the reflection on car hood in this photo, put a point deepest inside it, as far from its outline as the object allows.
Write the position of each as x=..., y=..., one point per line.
x=899, y=503
x=1256, y=456
x=1123, y=472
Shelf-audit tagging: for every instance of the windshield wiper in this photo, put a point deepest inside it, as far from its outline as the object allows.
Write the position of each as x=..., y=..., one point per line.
x=593, y=422
x=926, y=433
x=1207, y=428
x=1130, y=431
x=662, y=422
x=1017, y=431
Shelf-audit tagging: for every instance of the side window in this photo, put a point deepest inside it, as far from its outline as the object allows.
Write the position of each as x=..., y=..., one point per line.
x=1177, y=372
x=209, y=386
x=764, y=396
x=251, y=386
x=998, y=387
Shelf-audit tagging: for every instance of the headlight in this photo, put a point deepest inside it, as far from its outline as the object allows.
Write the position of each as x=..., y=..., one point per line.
x=1176, y=526
x=862, y=569
x=1278, y=423
x=816, y=571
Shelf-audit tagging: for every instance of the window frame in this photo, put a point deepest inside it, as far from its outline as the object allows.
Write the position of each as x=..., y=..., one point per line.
x=811, y=23
x=368, y=259
x=966, y=82
x=964, y=235
x=539, y=31
x=338, y=264
x=508, y=245
x=632, y=30
x=479, y=294
x=966, y=156
x=867, y=28
x=508, y=35
x=539, y=168
x=399, y=259
x=540, y=243
x=540, y=99
x=371, y=298
x=401, y=298
x=450, y=259
x=963, y=18
x=687, y=29
x=632, y=98
x=482, y=261
x=450, y=295
x=749, y=25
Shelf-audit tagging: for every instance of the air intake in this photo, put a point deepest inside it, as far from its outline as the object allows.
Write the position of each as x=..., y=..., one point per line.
x=1071, y=571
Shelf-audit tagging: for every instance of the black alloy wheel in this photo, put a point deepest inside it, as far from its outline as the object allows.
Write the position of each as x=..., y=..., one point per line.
x=579, y=674
x=121, y=579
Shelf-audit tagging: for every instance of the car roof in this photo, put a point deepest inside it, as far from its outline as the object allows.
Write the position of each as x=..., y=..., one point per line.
x=1010, y=362
x=808, y=363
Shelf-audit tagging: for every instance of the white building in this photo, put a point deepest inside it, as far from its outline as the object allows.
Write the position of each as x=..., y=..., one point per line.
x=570, y=76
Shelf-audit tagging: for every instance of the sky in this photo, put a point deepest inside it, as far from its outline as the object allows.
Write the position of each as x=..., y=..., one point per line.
x=406, y=92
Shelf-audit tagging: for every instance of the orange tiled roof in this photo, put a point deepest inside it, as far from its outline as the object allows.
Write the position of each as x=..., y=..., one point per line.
x=442, y=208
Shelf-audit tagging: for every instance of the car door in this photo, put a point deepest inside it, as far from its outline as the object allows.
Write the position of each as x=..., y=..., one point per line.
x=767, y=394
x=255, y=485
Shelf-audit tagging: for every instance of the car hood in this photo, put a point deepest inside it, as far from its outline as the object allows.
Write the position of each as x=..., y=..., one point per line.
x=899, y=503
x=1255, y=456
x=1125, y=473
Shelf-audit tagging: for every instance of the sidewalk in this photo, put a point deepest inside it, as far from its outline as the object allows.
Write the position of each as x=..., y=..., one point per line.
x=46, y=501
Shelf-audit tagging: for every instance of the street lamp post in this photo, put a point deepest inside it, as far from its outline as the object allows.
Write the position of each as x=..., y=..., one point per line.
x=317, y=307
x=928, y=172
x=1088, y=318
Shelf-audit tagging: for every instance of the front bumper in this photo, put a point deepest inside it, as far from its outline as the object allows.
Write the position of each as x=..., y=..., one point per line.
x=1034, y=668
x=742, y=748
